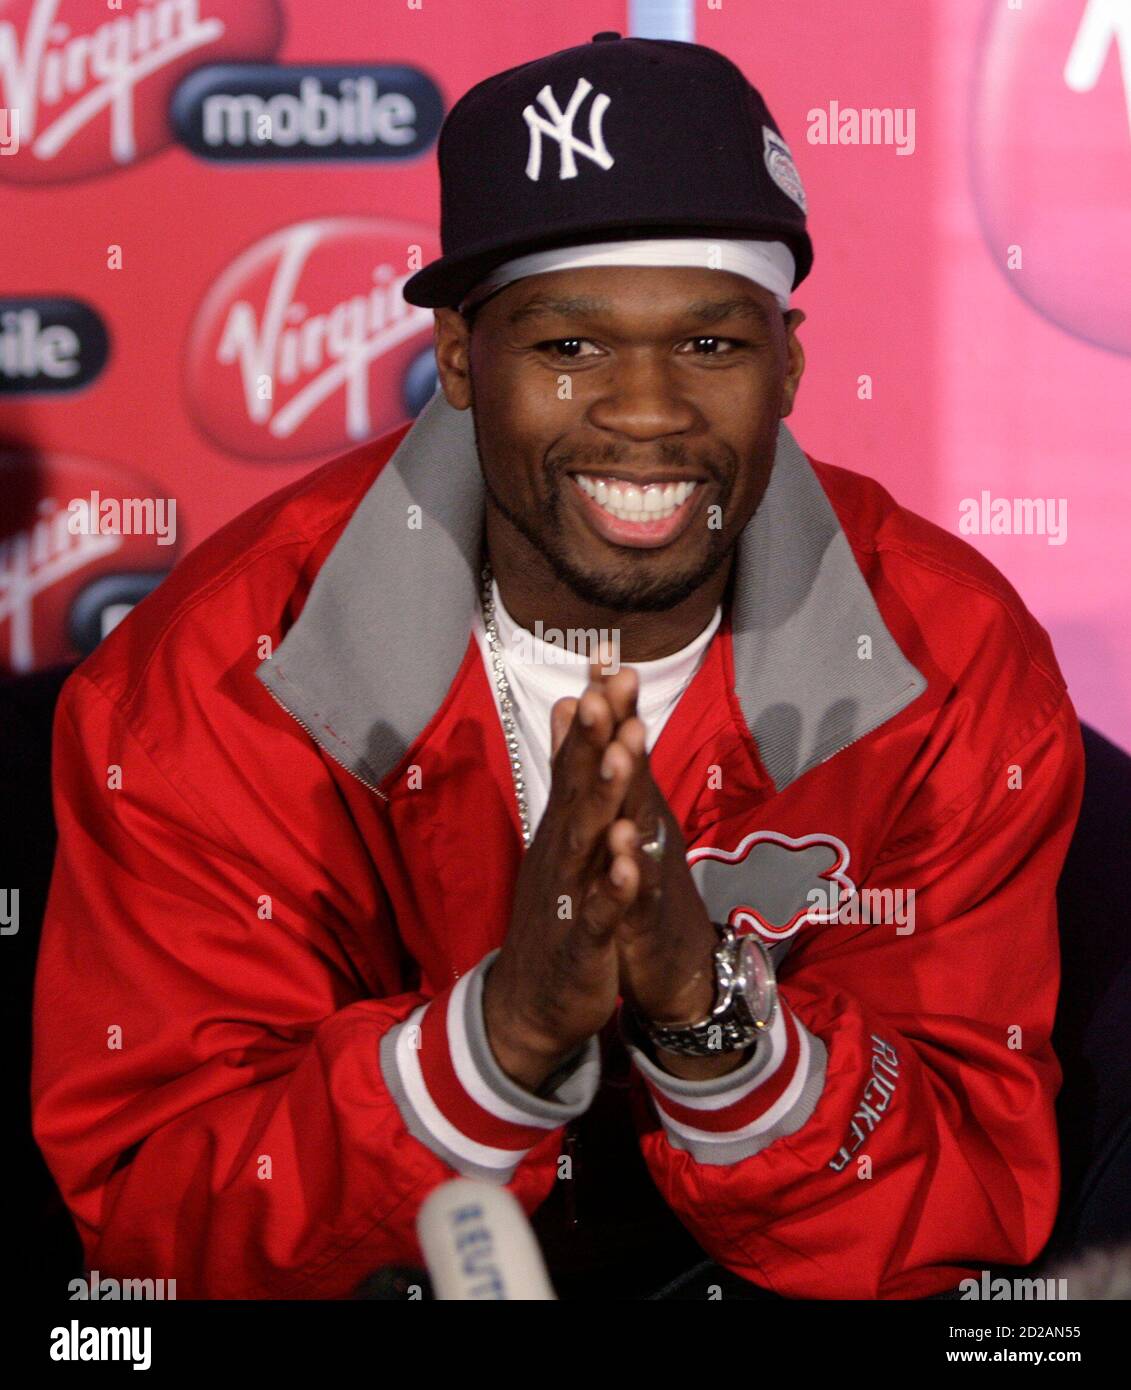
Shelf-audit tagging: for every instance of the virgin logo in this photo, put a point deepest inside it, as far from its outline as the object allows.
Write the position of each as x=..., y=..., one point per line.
x=92, y=86
x=303, y=345
x=46, y=565
x=33, y=562
x=1051, y=159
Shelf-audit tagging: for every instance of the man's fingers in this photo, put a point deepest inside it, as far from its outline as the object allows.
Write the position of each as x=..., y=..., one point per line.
x=590, y=799
x=561, y=717
x=621, y=690
x=591, y=812
x=596, y=758
x=591, y=770
x=624, y=839
x=580, y=728
x=603, y=705
x=633, y=735
x=640, y=798
x=610, y=895
x=589, y=726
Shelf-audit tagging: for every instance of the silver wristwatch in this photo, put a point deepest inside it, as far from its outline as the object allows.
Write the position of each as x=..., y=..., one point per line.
x=746, y=995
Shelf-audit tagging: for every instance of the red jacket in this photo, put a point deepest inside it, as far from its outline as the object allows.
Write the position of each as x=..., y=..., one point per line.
x=288, y=842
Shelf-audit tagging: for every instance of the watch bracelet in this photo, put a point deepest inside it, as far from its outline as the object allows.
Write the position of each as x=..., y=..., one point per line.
x=712, y=1036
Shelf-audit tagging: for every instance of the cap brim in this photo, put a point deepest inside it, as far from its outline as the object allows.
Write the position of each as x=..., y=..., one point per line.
x=447, y=282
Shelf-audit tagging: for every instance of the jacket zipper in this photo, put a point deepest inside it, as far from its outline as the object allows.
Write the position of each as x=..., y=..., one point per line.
x=318, y=742
x=862, y=735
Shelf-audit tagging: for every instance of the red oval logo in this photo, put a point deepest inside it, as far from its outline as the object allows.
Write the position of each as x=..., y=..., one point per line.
x=1051, y=155
x=81, y=541
x=303, y=345
x=87, y=88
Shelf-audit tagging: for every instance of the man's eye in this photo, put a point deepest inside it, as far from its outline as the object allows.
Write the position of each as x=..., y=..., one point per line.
x=730, y=343
x=556, y=347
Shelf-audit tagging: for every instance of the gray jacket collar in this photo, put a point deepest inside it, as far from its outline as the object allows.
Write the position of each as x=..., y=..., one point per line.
x=387, y=621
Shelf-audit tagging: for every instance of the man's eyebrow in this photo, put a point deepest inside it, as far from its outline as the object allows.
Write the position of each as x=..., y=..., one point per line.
x=712, y=310
x=542, y=304
x=705, y=311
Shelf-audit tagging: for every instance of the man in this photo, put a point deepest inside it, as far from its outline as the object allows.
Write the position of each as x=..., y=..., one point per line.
x=361, y=887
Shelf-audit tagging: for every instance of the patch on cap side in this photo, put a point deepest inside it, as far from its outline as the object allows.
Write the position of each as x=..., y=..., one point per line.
x=781, y=168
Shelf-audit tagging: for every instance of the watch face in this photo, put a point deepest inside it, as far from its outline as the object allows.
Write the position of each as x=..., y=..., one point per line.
x=760, y=988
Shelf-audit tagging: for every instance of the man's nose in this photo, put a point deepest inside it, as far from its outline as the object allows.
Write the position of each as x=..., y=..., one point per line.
x=641, y=398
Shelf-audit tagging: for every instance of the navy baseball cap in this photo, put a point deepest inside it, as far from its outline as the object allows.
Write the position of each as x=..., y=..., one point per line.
x=617, y=137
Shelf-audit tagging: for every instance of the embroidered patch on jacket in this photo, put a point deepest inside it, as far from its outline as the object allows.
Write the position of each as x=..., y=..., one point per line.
x=772, y=883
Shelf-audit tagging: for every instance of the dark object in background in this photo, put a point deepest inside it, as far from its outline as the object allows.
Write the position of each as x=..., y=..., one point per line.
x=85, y=619
x=44, y=1250
x=396, y=1284
x=1093, y=1025
x=1092, y=1036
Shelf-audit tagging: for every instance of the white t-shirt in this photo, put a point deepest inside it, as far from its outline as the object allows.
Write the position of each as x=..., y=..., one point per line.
x=541, y=673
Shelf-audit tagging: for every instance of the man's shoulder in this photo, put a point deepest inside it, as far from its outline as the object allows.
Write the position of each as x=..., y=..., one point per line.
x=242, y=582
x=948, y=606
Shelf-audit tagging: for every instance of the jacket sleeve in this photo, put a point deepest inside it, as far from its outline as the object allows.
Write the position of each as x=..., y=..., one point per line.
x=223, y=1093
x=896, y=1128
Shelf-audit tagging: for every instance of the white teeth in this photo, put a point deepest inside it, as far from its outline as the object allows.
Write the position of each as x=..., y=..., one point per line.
x=625, y=501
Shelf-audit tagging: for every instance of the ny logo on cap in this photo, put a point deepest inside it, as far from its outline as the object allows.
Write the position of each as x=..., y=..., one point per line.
x=562, y=131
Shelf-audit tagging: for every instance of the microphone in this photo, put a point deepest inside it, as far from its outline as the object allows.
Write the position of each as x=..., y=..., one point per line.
x=478, y=1244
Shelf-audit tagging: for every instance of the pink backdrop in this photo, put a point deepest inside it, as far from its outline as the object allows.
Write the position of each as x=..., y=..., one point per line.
x=969, y=323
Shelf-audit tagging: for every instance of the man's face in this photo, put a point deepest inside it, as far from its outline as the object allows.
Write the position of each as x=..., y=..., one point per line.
x=626, y=419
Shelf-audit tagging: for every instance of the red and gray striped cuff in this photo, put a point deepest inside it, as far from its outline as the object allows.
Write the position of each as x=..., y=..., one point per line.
x=455, y=1098
x=736, y=1116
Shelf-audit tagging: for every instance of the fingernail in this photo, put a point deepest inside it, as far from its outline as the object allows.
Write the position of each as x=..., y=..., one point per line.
x=585, y=714
x=607, y=769
x=619, y=874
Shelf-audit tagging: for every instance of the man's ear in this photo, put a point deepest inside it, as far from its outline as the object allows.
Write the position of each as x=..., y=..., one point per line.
x=451, y=337
x=795, y=365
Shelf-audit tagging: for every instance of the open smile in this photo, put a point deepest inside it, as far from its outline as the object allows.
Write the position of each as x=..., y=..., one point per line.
x=636, y=513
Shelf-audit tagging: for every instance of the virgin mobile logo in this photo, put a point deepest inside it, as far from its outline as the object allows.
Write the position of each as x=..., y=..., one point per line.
x=79, y=545
x=305, y=343
x=92, y=86
x=241, y=111
x=49, y=345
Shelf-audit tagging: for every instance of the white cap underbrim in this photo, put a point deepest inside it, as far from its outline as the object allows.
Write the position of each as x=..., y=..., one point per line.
x=767, y=263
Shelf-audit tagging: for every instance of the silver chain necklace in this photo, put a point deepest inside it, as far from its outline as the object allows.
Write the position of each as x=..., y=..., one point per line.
x=506, y=702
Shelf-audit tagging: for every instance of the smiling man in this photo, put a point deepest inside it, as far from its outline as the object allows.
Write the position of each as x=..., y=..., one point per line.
x=626, y=420
x=362, y=886
x=626, y=503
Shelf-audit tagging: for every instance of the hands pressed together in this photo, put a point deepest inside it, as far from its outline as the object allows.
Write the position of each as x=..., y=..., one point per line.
x=593, y=918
